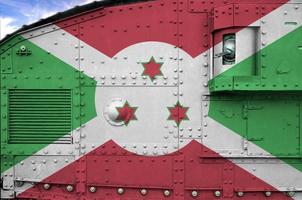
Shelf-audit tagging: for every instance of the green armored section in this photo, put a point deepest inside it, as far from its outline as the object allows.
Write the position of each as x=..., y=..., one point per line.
x=42, y=100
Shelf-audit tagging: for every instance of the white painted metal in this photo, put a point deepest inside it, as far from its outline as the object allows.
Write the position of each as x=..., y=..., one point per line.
x=58, y=43
x=126, y=67
x=151, y=134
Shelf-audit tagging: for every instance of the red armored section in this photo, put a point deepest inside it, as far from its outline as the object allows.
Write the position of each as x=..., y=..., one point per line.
x=186, y=24
x=110, y=172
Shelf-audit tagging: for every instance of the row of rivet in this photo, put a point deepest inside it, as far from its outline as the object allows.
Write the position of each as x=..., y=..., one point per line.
x=121, y=191
x=144, y=191
x=217, y=193
x=93, y=189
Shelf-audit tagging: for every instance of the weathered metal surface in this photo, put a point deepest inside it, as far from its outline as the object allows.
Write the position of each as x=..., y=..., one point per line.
x=153, y=110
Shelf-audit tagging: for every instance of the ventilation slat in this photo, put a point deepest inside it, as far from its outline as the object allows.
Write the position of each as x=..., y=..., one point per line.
x=40, y=116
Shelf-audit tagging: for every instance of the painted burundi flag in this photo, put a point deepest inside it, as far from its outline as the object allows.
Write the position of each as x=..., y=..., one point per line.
x=82, y=120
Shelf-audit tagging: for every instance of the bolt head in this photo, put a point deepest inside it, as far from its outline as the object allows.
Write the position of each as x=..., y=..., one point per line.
x=167, y=193
x=19, y=183
x=268, y=194
x=23, y=48
x=217, y=193
x=240, y=194
x=194, y=193
x=120, y=190
x=46, y=186
x=143, y=192
x=69, y=188
x=290, y=193
x=92, y=189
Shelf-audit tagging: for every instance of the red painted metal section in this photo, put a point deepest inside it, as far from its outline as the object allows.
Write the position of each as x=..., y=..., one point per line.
x=193, y=168
x=186, y=24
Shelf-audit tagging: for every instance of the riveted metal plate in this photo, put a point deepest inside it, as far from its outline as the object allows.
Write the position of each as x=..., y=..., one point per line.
x=261, y=132
x=36, y=168
x=151, y=133
x=193, y=83
x=6, y=63
x=114, y=170
x=214, y=134
x=130, y=67
x=58, y=43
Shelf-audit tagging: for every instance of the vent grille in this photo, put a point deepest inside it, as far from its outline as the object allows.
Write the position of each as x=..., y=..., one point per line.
x=39, y=116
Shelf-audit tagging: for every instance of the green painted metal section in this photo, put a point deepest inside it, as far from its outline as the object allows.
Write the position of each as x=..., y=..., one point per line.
x=263, y=104
x=276, y=67
x=39, y=70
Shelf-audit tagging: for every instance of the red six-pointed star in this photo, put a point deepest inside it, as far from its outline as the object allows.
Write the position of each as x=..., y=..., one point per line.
x=178, y=113
x=152, y=68
x=126, y=113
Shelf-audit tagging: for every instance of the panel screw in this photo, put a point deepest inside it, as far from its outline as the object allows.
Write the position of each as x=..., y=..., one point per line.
x=92, y=189
x=240, y=194
x=69, y=188
x=217, y=193
x=167, y=193
x=46, y=186
x=268, y=194
x=143, y=192
x=19, y=183
x=120, y=190
x=290, y=193
x=23, y=48
x=194, y=193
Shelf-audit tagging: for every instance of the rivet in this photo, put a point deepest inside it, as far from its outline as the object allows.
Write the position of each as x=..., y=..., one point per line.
x=92, y=189
x=19, y=183
x=120, y=190
x=268, y=194
x=69, y=188
x=290, y=193
x=240, y=194
x=167, y=193
x=217, y=193
x=46, y=186
x=194, y=193
x=143, y=192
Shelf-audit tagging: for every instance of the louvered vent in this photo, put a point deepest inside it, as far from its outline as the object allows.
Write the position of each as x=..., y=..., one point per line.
x=39, y=116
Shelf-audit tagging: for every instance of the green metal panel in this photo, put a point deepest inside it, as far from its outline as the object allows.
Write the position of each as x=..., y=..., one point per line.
x=40, y=70
x=6, y=63
x=271, y=121
x=275, y=124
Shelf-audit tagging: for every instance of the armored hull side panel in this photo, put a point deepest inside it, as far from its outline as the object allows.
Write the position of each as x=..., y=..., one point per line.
x=163, y=99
